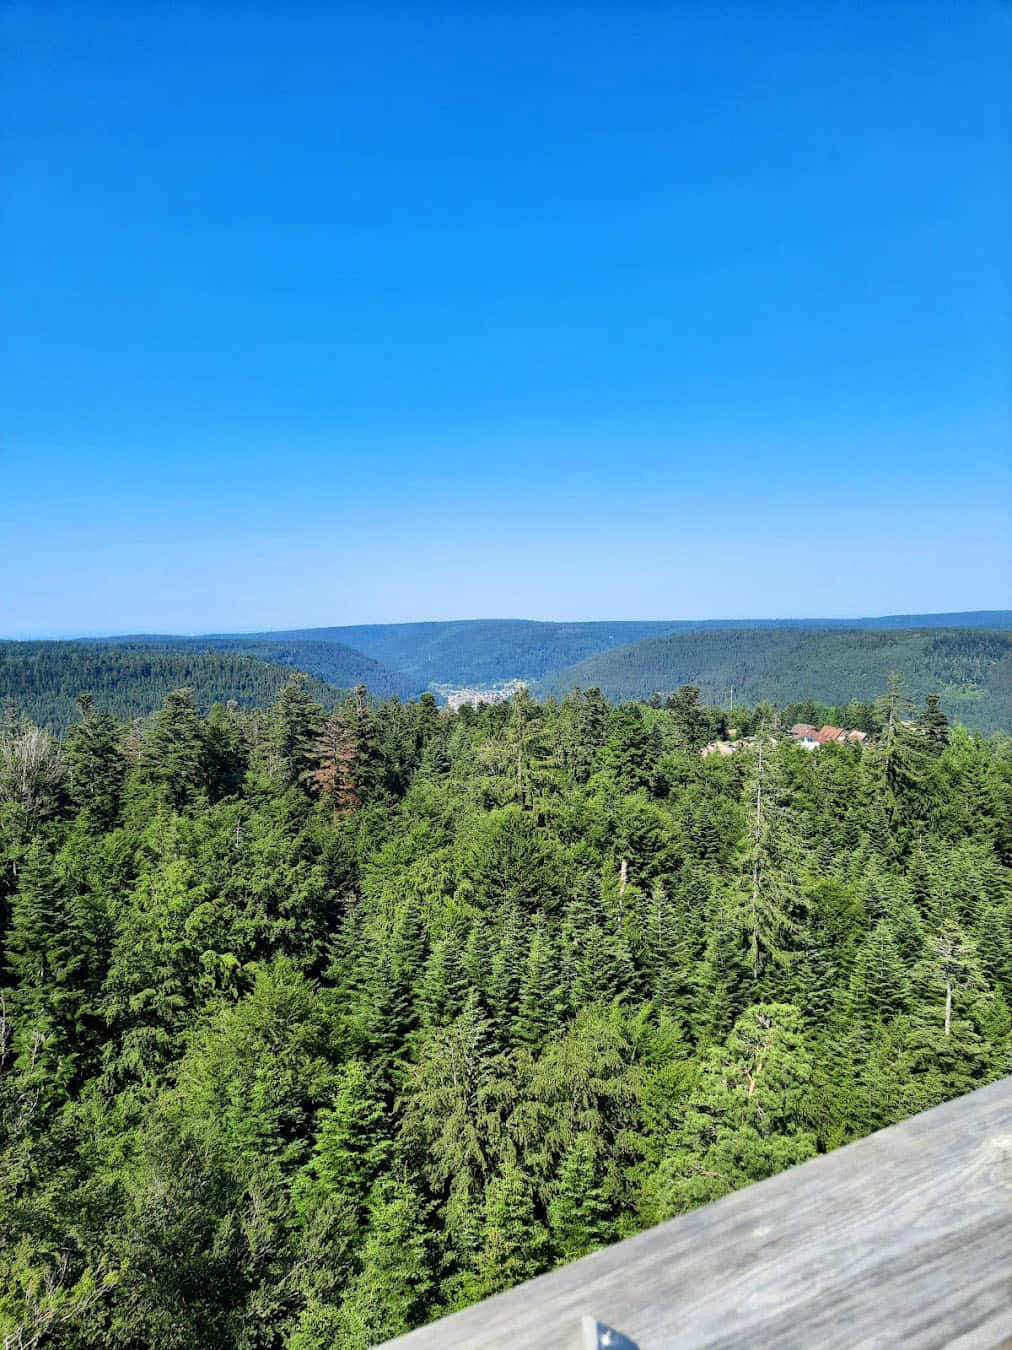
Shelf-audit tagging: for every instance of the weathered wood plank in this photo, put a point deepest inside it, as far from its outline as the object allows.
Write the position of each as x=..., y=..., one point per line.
x=904, y=1238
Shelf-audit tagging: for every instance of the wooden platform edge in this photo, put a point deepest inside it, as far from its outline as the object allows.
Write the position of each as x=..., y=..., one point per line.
x=902, y=1238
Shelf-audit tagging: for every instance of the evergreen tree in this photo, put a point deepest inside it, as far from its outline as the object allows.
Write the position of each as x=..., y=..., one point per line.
x=631, y=751
x=579, y=1213
x=898, y=762
x=540, y=1000
x=352, y=1145
x=302, y=1068
x=689, y=717
x=933, y=726
x=770, y=893
x=879, y=987
x=748, y=1117
x=226, y=751
x=173, y=758
x=96, y=767
x=295, y=732
x=514, y=1239
x=361, y=736
x=390, y=1293
x=443, y=987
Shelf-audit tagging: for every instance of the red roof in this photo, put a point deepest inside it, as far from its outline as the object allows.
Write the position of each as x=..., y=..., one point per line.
x=828, y=734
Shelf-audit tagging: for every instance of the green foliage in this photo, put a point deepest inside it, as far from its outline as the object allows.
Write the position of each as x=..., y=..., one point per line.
x=46, y=679
x=314, y=1028
x=96, y=765
x=785, y=663
x=748, y=1116
x=579, y=1210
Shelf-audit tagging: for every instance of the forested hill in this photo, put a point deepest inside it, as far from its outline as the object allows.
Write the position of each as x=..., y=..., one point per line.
x=44, y=679
x=782, y=662
x=328, y=660
x=482, y=651
x=972, y=669
x=317, y=1027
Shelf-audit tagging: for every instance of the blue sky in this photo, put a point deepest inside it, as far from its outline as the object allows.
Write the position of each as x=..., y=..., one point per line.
x=333, y=313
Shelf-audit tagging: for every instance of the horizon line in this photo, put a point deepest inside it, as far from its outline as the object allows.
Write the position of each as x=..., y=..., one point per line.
x=97, y=635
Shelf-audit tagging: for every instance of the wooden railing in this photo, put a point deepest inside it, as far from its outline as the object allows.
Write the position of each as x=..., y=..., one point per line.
x=902, y=1239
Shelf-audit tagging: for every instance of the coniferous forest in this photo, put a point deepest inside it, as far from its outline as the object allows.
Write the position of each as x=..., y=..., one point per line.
x=317, y=1024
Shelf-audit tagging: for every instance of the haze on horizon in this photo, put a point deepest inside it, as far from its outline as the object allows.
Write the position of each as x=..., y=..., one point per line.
x=331, y=318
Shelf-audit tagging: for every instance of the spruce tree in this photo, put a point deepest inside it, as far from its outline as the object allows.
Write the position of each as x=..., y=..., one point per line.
x=933, y=726
x=352, y=1145
x=541, y=1001
x=173, y=757
x=578, y=1213
x=390, y=1293
x=749, y=1116
x=96, y=766
x=295, y=732
x=514, y=1240
x=879, y=987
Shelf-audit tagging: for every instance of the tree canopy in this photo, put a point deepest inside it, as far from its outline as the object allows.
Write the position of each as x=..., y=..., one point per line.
x=318, y=1022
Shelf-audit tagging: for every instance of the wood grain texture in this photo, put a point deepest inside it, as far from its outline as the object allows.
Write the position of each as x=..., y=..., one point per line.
x=904, y=1238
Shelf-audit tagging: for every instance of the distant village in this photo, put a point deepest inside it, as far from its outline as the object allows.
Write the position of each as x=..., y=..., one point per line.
x=462, y=698
x=802, y=733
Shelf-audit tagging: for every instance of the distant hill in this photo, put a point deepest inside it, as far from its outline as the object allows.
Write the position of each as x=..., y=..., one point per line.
x=331, y=661
x=44, y=679
x=782, y=660
x=970, y=668
x=482, y=651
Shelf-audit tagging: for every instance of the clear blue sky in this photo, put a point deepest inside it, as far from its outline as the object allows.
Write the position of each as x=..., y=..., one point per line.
x=322, y=313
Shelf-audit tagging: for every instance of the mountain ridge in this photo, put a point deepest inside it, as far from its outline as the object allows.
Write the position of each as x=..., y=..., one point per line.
x=784, y=661
x=970, y=668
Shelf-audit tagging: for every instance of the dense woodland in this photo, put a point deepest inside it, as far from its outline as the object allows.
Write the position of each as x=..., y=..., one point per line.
x=484, y=651
x=318, y=1025
x=44, y=679
x=969, y=666
x=970, y=669
x=326, y=659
